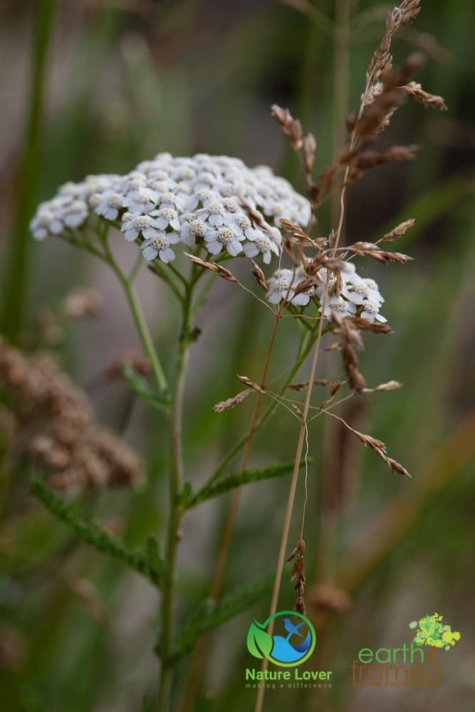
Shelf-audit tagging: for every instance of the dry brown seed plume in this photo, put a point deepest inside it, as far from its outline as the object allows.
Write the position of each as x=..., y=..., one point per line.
x=297, y=574
x=231, y=402
x=429, y=101
x=291, y=128
x=213, y=267
x=260, y=276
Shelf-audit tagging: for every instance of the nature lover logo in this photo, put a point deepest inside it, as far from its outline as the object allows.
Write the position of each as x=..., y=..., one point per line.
x=292, y=642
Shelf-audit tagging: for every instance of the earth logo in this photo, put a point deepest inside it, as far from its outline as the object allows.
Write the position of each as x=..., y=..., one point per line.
x=292, y=643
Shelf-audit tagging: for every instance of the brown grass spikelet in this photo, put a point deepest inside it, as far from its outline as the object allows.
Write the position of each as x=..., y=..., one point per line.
x=254, y=215
x=389, y=386
x=365, y=325
x=297, y=574
x=429, y=101
x=379, y=448
x=309, y=150
x=381, y=62
x=370, y=249
x=250, y=384
x=398, y=231
x=304, y=384
x=336, y=386
x=291, y=128
x=231, y=402
x=213, y=267
x=260, y=276
x=297, y=235
x=350, y=342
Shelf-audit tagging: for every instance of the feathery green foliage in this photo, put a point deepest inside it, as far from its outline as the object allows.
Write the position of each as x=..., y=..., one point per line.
x=148, y=564
x=238, y=480
x=211, y=615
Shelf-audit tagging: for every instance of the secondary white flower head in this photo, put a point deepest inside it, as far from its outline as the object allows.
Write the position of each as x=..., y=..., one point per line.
x=283, y=285
x=358, y=296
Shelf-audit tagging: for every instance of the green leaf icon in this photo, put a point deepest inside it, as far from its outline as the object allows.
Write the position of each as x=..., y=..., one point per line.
x=413, y=624
x=259, y=642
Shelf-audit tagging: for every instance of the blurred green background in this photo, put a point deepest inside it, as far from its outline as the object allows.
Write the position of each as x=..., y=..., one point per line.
x=95, y=87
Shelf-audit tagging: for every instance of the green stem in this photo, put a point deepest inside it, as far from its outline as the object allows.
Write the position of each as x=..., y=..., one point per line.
x=144, y=334
x=168, y=603
x=16, y=280
x=137, y=314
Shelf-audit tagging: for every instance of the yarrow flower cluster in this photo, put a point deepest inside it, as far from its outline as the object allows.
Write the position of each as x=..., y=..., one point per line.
x=216, y=201
x=355, y=296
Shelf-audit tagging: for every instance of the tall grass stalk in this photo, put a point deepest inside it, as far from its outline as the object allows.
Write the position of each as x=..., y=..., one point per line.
x=17, y=272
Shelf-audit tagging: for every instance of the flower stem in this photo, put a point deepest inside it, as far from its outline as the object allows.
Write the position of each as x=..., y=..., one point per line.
x=168, y=602
x=144, y=334
x=137, y=314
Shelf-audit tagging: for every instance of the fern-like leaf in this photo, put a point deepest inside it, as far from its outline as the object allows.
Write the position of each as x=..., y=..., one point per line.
x=211, y=615
x=236, y=480
x=150, y=566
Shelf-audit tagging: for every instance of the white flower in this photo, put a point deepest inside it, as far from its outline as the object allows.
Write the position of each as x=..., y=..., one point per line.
x=371, y=312
x=260, y=244
x=214, y=213
x=193, y=229
x=240, y=224
x=166, y=217
x=75, y=213
x=348, y=273
x=142, y=200
x=375, y=295
x=134, y=225
x=108, y=204
x=362, y=291
x=340, y=305
x=159, y=245
x=45, y=223
x=283, y=285
x=224, y=237
x=203, y=196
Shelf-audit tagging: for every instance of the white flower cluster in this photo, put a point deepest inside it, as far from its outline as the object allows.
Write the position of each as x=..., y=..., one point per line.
x=358, y=295
x=70, y=208
x=170, y=200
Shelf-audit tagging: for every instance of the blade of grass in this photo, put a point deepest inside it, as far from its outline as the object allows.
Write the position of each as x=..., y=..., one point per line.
x=17, y=272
